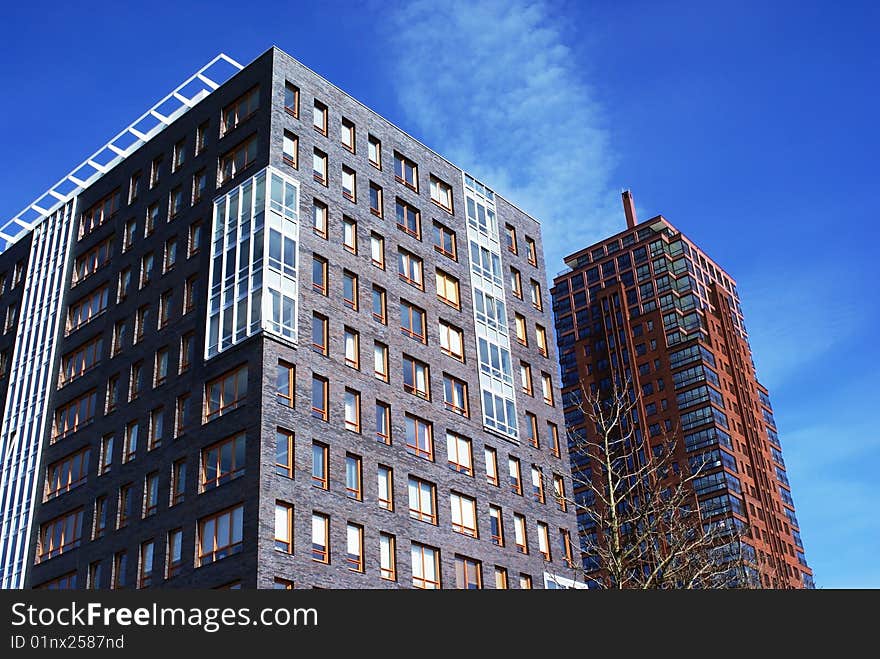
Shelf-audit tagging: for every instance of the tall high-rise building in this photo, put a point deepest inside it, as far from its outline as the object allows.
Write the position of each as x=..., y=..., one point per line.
x=648, y=307
x=274, y=341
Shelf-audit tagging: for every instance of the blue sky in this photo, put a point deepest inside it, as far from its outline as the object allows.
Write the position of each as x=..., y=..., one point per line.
x=751, y=126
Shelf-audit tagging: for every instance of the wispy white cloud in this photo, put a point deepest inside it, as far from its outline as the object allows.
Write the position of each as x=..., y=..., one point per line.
x=492, y=85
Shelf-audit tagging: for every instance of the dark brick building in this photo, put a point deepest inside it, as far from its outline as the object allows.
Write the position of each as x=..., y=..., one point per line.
x=649, y=306
x=291, y=352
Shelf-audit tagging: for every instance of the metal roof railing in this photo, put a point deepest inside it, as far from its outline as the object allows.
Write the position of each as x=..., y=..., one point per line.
x=126, y=142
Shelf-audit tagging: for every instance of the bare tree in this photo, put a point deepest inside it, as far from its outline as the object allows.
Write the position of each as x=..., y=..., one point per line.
x=642, y=527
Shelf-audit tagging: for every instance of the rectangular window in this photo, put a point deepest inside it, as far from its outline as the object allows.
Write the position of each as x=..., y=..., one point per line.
x=72, y=416
x=553, y=431
x=185, y=415
x=532, y=251
x=199, y=185
x=491, y=466
x=354, y=477
x=201, y=137
x=120, y=569
x=320, y=334
x=169, y=256
x=174, y=553
x=559, y=491
x=406, y=171
x=352, y=348
x=126, y=506
x=282, y=584
x=319, y=219
x=349, y=184
x=290, y=149
x=422, y=500
x=547, y=388
x=380, y=361
x=510, y=238
x=419, y=439
x=123, y=286
x=349, y=235
x=525, y=375
x=220, y=535
x=194, y=239
x=416, y=377
x=226, y=393
x=455, y=396
x=448, y=289
x=468, y=573
x=240, y=110
x=410, y=269
x=148, y=263
x=375, y=151
x=92, y=261
x=386, y=488
x=223, y=462
x=350, y=289
x=66, y=474
x=516, y=283
x=412, y=321
x=320, y=466
x=80, y=361
x=444, y=241
x=532, y=429
x=319, y=166
x=380, y=312
x=129, y=234
x=425, y=567
x=347, y=134
x=100, y=521
x=375, y=199
x=544, y=541
x=319, y=117
x=451, y=341
x=291, y=99
x=458, y=451
x=501, y=578
x=520, y=324
x=106, y=454
x=319, y=275
x=157, y=428
x=176, y=202
x=408, y=219
x=151, y=494
x=283, y=527
x=86, y=309
x=285, y=384
x=537, y=484
x=464, y=514
x=354, y=552
x=377, y=250
x=519, y=531
x=515, y=477
x=134, y=187
x=165, y=304
x=238, y=159
x=441, y=193
x=136, y=380
x=535, y=292
x=352, y=403
x=541, y=339
x=320, y=538
x=387, y=557
x=284, y=452
x=383, y=422
x=178, y=482
x=320, y=398
x=496, y=525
